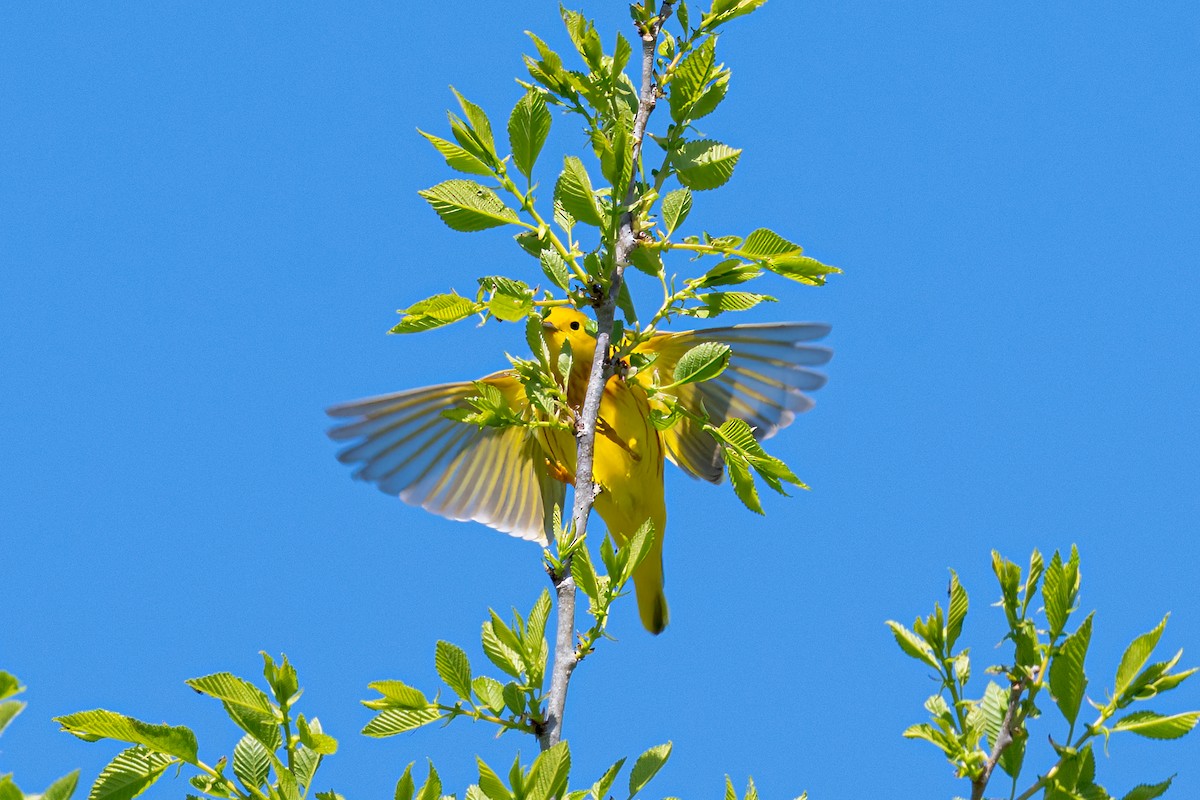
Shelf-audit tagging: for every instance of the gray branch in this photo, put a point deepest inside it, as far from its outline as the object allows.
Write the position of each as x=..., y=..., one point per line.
x=1004, y=738
x=566, y=655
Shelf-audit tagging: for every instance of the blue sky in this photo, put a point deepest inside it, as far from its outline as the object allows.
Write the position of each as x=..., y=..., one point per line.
x=210, y=214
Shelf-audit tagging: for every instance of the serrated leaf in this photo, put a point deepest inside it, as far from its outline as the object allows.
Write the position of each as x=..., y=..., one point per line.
x=764, y=243
x=306, y=763
x=528, y=127
x=701, y=363
x=913, y=645
x=676, y=206
x=638, y=548
x=489, y=691
x=574, y=192
x=454, y=668
x=457, y=158
x=398, y=720
x=434, y=312
x=705, y=164
x=601, y=787
x=315, y=739
x=432, y=788
x=500, y=654
x=1157, y=726
x=729, y=272
x=548, y=775
x=742, y=481
x=690, y=78
x=61, y=789
x=468, y=206
x=490, y=783
x=647, y=766
x=98, y=724
x=480, y=126
x=251, y=762
x=132, y=772
x=1067, y=679
x=555, y=268
x=584, y=573
x=405, y=786
x=396, y=694
x=800, y=268
x=715, y=303
x=1136, y=655
x=956, y=611
x=1146, y=791
x=234, y=690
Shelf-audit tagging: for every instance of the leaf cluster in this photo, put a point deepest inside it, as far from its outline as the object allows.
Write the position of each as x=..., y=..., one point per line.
x=976, y=735
x=575, y=245
x=61, y=789
x=276, y=759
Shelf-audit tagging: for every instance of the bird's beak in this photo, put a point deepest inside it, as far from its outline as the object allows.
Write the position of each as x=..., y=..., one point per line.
x=549, y=326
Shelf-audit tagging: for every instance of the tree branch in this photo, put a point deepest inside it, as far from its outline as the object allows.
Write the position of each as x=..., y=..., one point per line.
x=1003, y=739
x=566, y=655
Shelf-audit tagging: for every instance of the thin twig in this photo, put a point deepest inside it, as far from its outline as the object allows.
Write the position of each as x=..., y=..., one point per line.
x=1003, y=739
x=566, y=656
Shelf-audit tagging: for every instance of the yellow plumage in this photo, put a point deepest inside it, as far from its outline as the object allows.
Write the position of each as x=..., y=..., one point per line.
x=506, y=477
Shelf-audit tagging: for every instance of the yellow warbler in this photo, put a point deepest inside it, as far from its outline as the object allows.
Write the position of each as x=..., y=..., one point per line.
x=506, y=477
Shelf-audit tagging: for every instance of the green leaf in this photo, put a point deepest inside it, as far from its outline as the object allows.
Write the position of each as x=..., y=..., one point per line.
x=499, y=653
x=715, y=303
x=690, y=78
x=647, y=261
x=490, y=783
x=457, y=157
x=468, y=206
x=738, y=435
x=9, y=685
x=289, y=789
x=8, y=711
x=647, y=766
x=514, y=698
x=676, y=206
x=63, y=788
x=729, y=272
x=396, y=694
x=1157, y=726
x=99, y=724
x=9, y=790
x=637, y=549
x=538, y=615
x=742, y=481
x=574, y=192
x=957, y=611
x=434, y=312
x=489, y=691
x=705, y=164
x=432, y=788
x=913, y=645
x=1149, y=791
x=1136, y=655
x=584, y=573
x=480, y=127
x=132, y=772
x=1009, y=576
x=1058, y=594
x=764, y=243
x=453, y=667
x=703, y=362
x=601, y=787
x=555, y=268
x=398, y=720
x=548, y=775
x=800, y=268
x=405, y=787
x=1067, y=679
x=251, y=762
x=230, y=688
x=314, y=738
x=528, y=127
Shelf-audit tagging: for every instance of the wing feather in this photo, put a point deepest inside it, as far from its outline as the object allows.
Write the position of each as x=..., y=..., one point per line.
x=765, y=384
x=404, y=444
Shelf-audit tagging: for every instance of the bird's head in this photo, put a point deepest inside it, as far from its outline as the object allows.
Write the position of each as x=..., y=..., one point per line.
x=564, y=324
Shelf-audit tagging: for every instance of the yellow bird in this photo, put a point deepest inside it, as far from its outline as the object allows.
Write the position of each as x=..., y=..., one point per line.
x=507, y=477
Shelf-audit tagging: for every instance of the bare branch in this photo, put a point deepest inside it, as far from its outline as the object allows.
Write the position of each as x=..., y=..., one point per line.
x=566, y=656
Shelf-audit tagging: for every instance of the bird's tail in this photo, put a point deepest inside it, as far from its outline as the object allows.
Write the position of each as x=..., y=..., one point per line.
x=648, y=583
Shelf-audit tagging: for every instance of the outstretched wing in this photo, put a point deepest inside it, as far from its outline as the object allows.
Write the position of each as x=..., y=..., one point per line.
x=404, y=444
x=764, y=384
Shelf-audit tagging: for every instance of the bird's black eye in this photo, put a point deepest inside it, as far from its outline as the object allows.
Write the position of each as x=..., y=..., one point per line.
x=574, y=326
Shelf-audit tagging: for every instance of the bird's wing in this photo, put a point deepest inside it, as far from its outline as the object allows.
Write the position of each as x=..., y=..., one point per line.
x=764, y=384
x=404, y=444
